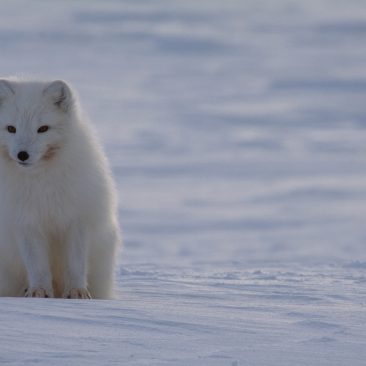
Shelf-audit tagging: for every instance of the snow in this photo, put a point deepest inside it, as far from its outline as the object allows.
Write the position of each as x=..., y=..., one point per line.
x=237, y=134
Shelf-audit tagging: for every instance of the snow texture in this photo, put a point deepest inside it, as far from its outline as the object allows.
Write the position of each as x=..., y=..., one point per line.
x=237, y=134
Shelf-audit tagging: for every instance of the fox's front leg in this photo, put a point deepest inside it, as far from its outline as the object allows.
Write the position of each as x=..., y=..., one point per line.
x=33, y=247
x=76, y=264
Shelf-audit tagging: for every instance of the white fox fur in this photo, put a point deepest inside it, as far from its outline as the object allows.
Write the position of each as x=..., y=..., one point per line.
x=59, y=232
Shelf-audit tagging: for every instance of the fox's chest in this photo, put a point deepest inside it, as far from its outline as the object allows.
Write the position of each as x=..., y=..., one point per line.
x=44, y=204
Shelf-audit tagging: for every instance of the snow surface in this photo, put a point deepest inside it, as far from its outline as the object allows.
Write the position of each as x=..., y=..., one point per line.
x=237, y=134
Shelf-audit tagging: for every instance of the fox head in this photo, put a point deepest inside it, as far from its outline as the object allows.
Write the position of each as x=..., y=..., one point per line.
x=33, y=119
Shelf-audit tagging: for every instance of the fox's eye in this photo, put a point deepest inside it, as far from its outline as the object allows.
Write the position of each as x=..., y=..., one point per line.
x=43, y=129
x=11, y=129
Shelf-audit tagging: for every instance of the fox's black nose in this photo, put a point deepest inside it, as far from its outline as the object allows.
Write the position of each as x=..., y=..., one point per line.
x=23, y=155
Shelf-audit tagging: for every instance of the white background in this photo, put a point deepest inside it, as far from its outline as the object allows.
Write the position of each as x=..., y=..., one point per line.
x=236, y=131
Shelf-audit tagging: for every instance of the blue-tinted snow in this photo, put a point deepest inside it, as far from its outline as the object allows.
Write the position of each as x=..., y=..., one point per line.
x=237, y=134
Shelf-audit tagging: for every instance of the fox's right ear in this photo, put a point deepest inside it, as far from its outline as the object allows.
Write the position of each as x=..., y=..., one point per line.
x=5, y=89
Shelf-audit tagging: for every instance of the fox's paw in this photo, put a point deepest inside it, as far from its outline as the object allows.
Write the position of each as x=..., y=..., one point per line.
x=77, y=293
x=37, y=292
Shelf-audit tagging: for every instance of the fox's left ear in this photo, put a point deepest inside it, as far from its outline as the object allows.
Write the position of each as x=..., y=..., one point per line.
x=60, y=94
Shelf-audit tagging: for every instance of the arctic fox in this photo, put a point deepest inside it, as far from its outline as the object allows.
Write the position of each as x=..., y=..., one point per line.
x=59, y=233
